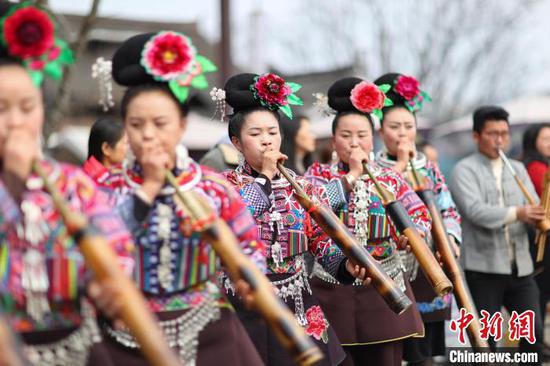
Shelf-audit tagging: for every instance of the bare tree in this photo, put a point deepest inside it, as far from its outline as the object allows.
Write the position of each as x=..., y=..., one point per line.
x=62, y=100
x=463, y=52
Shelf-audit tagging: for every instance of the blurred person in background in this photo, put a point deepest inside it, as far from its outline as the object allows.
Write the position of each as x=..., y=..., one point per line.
x=298, y=143
x=107, y=149
x=221, y=157
x=429, y=151
x=536, y=154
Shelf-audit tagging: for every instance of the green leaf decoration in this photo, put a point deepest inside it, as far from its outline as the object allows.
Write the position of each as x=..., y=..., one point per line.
x=54, y=70
x=181, y=92
x=426, y=96
x=384, y=88
x=66, y=56
x=206, y=64
x=199, y=82
x=294, y=100
x=37, y=77
x=378, y=113
x=388, y=102
x=294, y=86
x=286, y=110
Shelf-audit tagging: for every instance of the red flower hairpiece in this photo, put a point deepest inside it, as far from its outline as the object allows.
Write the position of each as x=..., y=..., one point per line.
x=409, y=88
x=28, y=32
x=171, y=57
x=275, y=93
x=367, y=97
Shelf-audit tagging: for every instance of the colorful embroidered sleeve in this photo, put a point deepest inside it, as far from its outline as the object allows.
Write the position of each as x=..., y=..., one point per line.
x=320, y=175
x=445, y=202
x=321, y=246
x=234, y=212
x=96, y=207
x=254, y=197
x=418, y=212
x=9, y=212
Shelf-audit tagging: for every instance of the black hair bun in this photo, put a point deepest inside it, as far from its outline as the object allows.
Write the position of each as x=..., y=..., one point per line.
x=127, y=69
x=238, y=94
x=339, y=94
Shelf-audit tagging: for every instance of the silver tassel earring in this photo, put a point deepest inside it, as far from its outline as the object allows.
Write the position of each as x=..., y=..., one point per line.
x=218, y=96
x=101, y=70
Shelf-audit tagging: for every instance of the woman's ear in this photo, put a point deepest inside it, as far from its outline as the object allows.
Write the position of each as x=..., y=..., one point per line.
x=235, y=141
x=332, y=143
x=105, y=150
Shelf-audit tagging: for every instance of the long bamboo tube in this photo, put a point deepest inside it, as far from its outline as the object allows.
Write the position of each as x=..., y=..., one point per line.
x=103, y=261
x=339, y=233
x=400, y=218
x=239, y=266
x=450, y=263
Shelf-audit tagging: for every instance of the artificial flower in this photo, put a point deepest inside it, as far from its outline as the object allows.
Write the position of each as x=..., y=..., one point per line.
x=168, y=55
x=28, y=32
x=366, y=97
x=407, y=86
x=275, y=93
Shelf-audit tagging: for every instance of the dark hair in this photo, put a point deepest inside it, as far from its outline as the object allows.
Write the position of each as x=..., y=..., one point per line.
x=134, y=91
x=289, y=130
x=339, y=115
x=530, y=152
x=103, y=130
x=236, y=120
x=488, y=113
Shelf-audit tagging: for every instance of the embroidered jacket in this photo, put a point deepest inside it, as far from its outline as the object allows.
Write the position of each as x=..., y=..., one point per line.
x=435, y=182
x=105, y=178
x=373, y=223
x=283, y=224
x=173, y=263
x=42, y=272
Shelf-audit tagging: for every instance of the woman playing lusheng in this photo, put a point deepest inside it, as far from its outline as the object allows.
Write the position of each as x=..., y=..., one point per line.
x=369, y=331
x=176, y=269
x=107, y=147
x=398, y=132
x=43, y=277
x=283, y=224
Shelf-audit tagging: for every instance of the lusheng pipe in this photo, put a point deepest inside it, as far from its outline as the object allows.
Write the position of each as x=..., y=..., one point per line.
x=339, y=233
x=543, y=225
x=216, y=231
x=103, y=261
x=400, y=218
x=450, y=264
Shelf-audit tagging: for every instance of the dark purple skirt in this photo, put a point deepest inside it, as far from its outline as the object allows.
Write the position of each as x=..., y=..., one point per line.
x=360, y=316
x=223, y=342
x=267, y=344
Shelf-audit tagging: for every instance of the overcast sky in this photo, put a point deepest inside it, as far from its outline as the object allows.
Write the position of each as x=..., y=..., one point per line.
x=281, y=20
